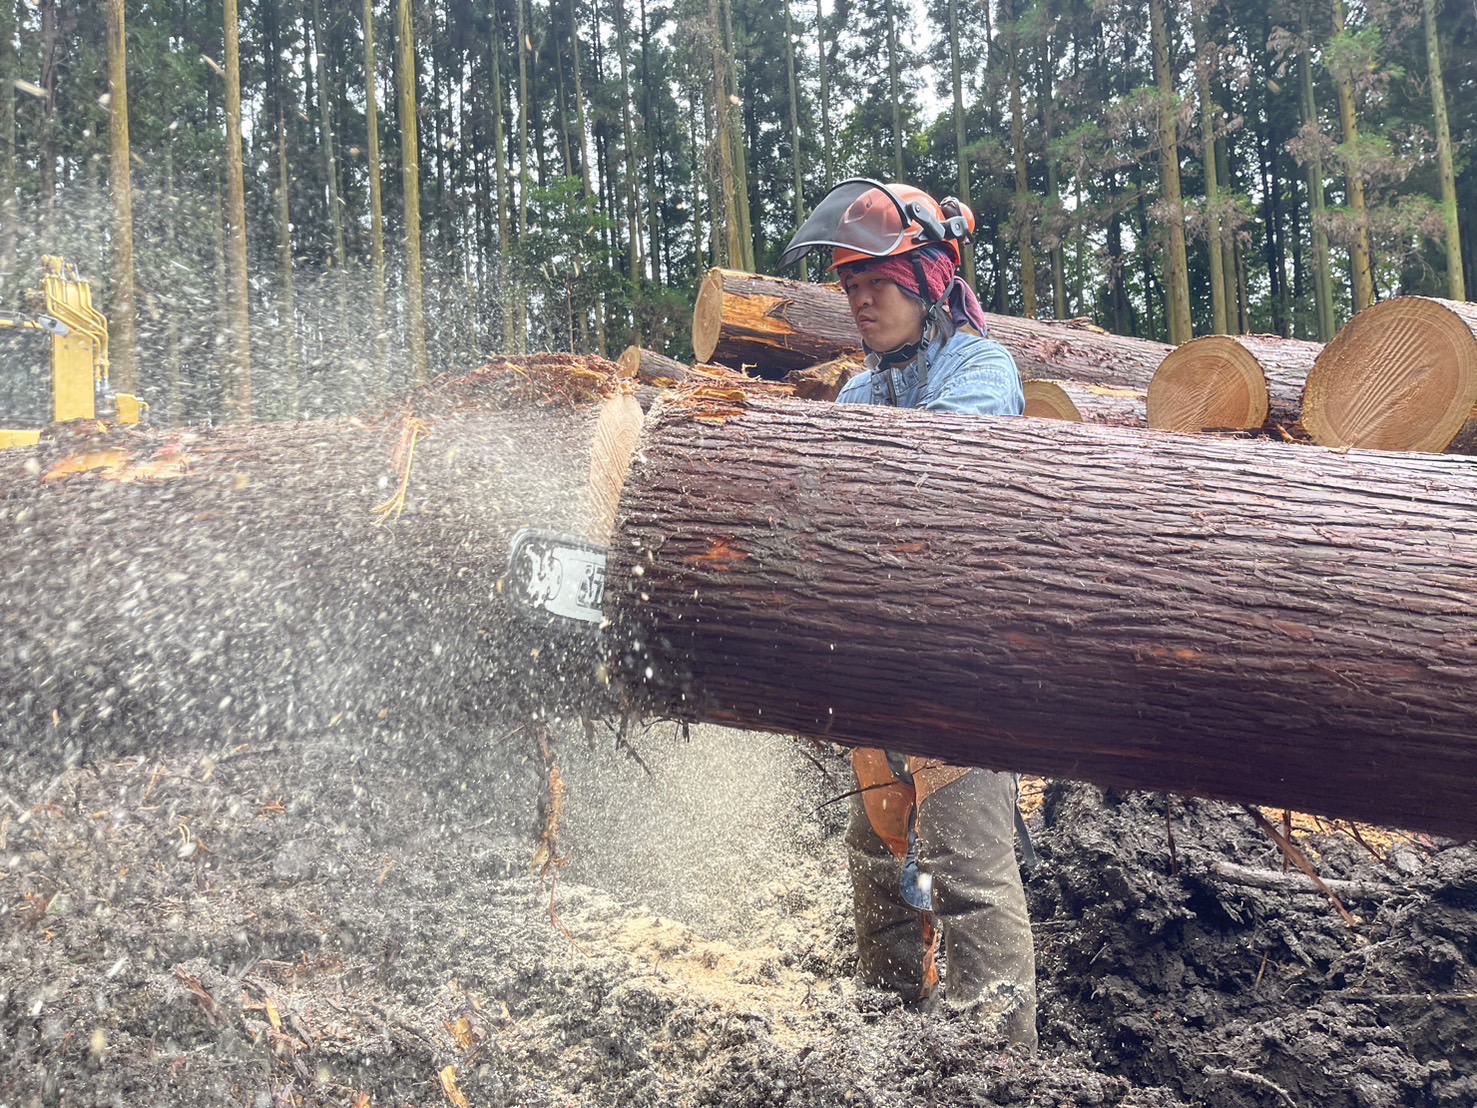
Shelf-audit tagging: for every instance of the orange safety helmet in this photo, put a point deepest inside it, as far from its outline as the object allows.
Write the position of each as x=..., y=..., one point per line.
x=861, y=218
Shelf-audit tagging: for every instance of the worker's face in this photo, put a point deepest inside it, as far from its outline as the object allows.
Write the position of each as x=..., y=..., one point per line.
x=885, y=315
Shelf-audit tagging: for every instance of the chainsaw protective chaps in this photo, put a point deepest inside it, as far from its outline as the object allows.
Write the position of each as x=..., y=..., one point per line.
x=966, y=841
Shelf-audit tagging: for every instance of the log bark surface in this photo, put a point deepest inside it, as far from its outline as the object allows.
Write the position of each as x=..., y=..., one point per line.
x=1232, y=383
x=239, y=585
x=1400, y=375
x=1076, y=350
x=1245, y=620
x=776, y=324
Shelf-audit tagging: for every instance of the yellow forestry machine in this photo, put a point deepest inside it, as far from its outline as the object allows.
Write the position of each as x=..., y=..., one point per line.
x=54, y=360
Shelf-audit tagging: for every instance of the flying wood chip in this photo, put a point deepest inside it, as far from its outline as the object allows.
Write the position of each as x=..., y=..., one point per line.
x=448, y=1086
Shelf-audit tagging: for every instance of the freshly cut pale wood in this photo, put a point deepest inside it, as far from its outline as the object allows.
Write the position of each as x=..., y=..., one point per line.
x=1400, y=375
x=1241, y=619
x=1079, y=403
x=616, y=432
x=1232, y=383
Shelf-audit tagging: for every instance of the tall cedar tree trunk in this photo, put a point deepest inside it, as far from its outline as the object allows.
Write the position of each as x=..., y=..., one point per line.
x=1257, y=634
x=794, y=97
x=894, y=87
x=1023, y=221
x=520, y=309
x=823, y=63
x=1456, y=281
x=1322, y=267
x=651, y=128
x=582, y=140
x=381, y=321
x=174, y=357
x=630, y=194
x=238, y=388
x=1361, y=260
x=330, y=168
x=727, y=173
x=411, y=176
x=9, y=213
x=1176, y=267
x=733, y=111
x=291, y=355
x=46, y=138
x=1205, y=54
x=275, y=108
x=1275, y=237
x=956, y=73
x=1046, y=103
x=122, y=326
x=505, y=289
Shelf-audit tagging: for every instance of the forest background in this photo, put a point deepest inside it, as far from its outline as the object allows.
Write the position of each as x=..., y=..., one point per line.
x=329, y=200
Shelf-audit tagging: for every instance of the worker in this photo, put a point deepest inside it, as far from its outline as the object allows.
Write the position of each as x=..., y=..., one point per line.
x=931, y=846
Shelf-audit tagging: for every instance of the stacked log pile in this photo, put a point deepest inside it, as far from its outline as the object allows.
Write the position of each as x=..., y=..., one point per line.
x=1248, y=383
x=772, y=326
x=1401, y=375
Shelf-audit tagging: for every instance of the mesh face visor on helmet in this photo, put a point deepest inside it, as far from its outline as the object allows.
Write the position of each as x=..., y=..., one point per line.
x=876, y=228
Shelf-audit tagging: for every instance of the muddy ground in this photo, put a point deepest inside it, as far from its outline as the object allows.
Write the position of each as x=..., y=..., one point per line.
x=336, y=921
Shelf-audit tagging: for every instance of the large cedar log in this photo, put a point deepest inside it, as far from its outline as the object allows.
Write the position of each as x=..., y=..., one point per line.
x=1232, y=383
x=651, y=368
x=1077, y=350
x=1400, y=375
x=239, y=584
x=775, y=325
x=770, y=324
x=1245, y=620
x=1079, y=403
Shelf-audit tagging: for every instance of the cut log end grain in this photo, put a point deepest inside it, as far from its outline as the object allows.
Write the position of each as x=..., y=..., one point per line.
x=770, y=325
x=649, y=367
x=1048, y=400
x=1080, y=402
x=1401, y=375
x=707, y=316
x=1208, y=384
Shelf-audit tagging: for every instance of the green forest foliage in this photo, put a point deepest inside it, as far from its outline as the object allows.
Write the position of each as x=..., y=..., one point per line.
x=592, y=225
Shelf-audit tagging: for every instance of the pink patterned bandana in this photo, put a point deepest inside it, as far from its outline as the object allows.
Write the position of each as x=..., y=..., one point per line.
x=939, y=271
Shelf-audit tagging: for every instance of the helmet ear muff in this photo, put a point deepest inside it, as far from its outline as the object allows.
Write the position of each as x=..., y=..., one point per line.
x=958, y=219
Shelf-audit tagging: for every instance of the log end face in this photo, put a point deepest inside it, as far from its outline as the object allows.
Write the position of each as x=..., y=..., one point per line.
x=1211, y=383
x=707, y=316
x=629, y=361
x=1401, y=375
x=1048, y=400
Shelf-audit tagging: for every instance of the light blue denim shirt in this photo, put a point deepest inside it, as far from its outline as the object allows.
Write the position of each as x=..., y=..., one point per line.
x=964, y=374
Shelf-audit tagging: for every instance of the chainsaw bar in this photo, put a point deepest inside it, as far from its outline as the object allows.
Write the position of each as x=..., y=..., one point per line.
x=558, y=574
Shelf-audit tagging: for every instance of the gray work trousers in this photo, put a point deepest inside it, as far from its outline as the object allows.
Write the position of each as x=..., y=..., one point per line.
x=966, y=841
